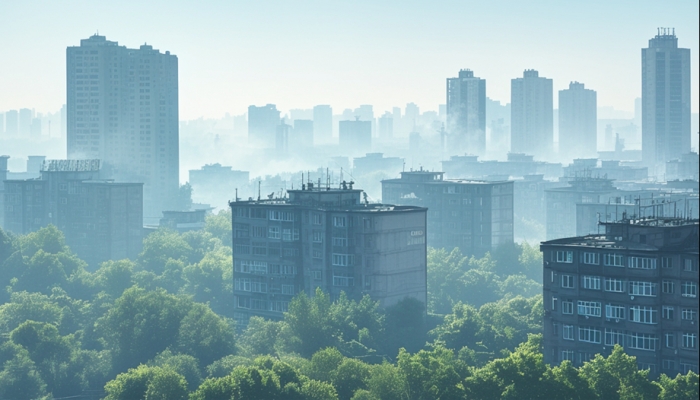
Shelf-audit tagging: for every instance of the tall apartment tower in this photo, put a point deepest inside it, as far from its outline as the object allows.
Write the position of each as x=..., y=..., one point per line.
x=122, y=108
x=578, y=129
x=665, y=100
x=531, y=115
x=355, y=137
x=466, y=113
x=323, y=124
x=11, y=123
x=635, y=285
x=262, y=125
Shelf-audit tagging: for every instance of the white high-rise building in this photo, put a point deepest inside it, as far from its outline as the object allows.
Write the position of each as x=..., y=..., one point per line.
x=466, y=113
x=531, y=115
x=577, y=122
x=122, y=108
x=665, y=100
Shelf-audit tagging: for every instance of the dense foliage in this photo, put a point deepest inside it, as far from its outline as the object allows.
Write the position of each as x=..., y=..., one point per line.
x=156, y=327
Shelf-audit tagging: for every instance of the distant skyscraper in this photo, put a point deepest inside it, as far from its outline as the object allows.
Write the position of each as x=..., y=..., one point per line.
x=532, y=117
x=283, y=136
x=355, y=136
x=303, y=134
x=122, y=108
x=262, y=125
x=578, y=129
x=386, y=126
x=466, y=113
x=11, y=123
x=665, y=99
x=35, y=128
x=25, y=122
x=323, y=124
x=411, y=114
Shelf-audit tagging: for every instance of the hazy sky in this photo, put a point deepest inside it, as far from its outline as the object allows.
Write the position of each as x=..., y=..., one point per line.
x=345, y=53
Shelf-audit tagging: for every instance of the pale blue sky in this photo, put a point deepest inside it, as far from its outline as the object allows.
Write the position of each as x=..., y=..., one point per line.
x=344, y=53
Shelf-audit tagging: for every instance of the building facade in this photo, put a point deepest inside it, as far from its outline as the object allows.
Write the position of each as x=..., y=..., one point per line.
x=122, y=108
x=665, y=100
x=323, y=124
x=635, y=285
x=325, y=238
x=101, y=220
x=355, y=136
x=476, y=216
x=578, y=130
x=466, y=113
x=531, y=115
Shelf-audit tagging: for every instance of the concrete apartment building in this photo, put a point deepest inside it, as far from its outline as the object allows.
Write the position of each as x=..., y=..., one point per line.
x=476, y=216
x=532, y=115
x=328, y=238
x=665, y=100
x=635, y=285
x=323, y=124
x=517, y=165
x=355, y=137
x=101, y=220
x=214, y=182
x=262, y=126
x=578, y=130
x=466, y=113
x=122, y=108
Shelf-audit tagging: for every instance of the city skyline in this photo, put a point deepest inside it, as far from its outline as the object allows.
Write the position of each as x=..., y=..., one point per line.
x=230, y=54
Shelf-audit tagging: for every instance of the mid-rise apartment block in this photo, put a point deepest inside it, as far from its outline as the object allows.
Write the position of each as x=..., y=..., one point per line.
x=476, y=216
x=262, y=126
x=466, y=113
x=635, y=285
x=328, y=238
x=531, y=115
x=355, y=137
x=101, y=220
x=578, y=131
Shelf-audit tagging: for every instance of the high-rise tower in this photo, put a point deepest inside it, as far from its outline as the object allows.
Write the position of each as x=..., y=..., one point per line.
x=577, y=122
x=531, y=115
x=466, y=113
x=665, y=100
x=122, y=108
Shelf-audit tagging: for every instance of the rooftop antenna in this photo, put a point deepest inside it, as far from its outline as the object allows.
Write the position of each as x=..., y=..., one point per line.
x=259, y=182
x=236, y=199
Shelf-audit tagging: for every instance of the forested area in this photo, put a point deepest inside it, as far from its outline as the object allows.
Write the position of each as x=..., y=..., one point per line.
x=159, y=327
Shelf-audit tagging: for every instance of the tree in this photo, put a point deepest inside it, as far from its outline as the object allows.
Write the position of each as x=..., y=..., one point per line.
x=161, y=246
x=461, y=328
x=114, y=277
x=147, y=382
x=184, y=198
x=204, y=335
x=432, y=374
x=405, y=326
x=25, y=306
x=618, y=377
x=19, y=379
x=308, y=325
x=350, y=376
x=219, y=226
x=679, y=388
x=183, y=364
x=142, y=324
x=387, y=382
x=259, y=337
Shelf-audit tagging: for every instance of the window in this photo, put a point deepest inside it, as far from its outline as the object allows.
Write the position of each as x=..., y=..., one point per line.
x=339, y=222
x=667, y=312
x=291, y=252
x=614, y=285
x=689, y=289
x=258, y=287
x=565, y=256
x=614, y=311
x=288, y=290
x=295, y=234
x=614, y=336
x=343, y=281
x=567, y=281
x=554, y=304
x=317, y=219
x=317, y=237
x=686, y=367
x=340, y=241
x=666, y=262
x=241, y=249
x=591, y=282
x=555, y=329
x=258, y=267
x=343, y=260
x=589, y=334
x=242, y=284
x=288, y=269
x=690, y=340
x=670, y=340
x=259, y=231
x=642, y=341
x=317, y=275
x=688, y=314
x=287, y=235
x=591, y=258
x=589, y=308
x=641, y=262
x=568, y=332
x=637, y=288
x=273, y=232
x=644, y=314
x=259, y=249
x=279, y=306
x=668, y=365
x=644, y=366
x=567, y=355
x=567, y=307
x=275, y=215
x=316, y=253
x=667, y=286
x=612, y=260
x=688, y=265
